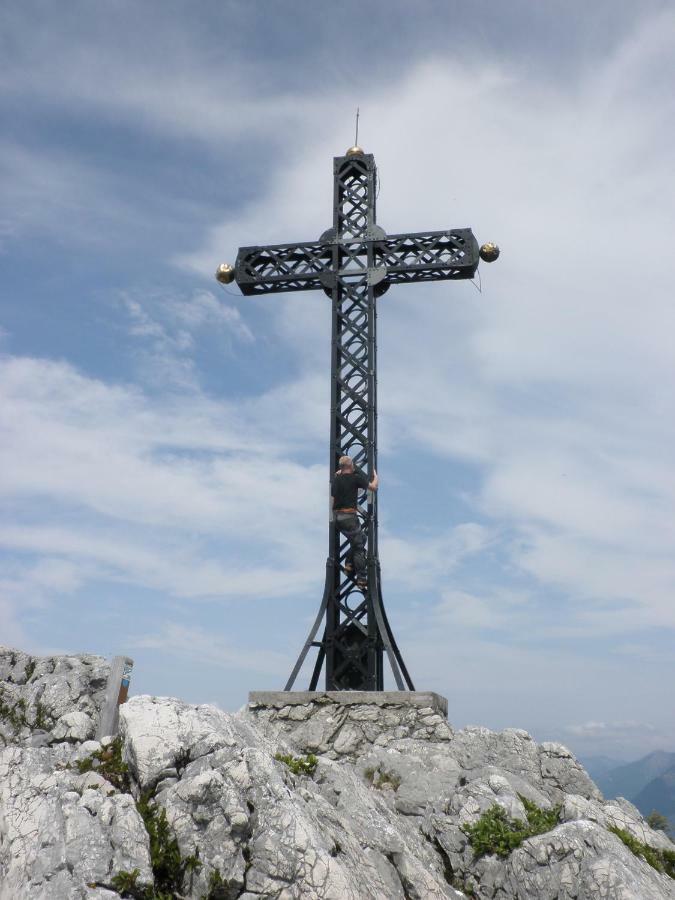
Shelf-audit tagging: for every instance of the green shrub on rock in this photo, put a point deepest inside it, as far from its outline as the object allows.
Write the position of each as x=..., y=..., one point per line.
x=380, y=779
x=108, y=763
x=169, y=866
x=298, y=765
x=496, y=833
x=661, y=860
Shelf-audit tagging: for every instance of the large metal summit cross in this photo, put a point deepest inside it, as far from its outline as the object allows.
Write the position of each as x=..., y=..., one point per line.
x=355, y=262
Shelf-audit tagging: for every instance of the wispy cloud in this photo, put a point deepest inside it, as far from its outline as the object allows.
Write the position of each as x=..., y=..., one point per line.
x=133, y=478
x=427, y=561
x=168, y=328
x=618, y=729
x=629, y=739
x=197, y=645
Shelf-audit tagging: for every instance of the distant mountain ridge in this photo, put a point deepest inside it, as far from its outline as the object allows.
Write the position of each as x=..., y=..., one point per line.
x=629, y=779
x=600, y=765
x=649, y=782
x=659, y=794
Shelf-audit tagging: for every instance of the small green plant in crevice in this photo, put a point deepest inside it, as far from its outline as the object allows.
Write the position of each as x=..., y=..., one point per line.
x=30, y=668
x=169, y=866
x=218, y=887
x=299, y=765
x=540, y=820
x=14, y=714
x=380, y=779
x=108, y=762
x=42, y=718
x=125, y=884
x=496, y=833
x=661, y=860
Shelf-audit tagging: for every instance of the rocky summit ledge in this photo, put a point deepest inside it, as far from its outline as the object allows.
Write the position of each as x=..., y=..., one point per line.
x=297, y=797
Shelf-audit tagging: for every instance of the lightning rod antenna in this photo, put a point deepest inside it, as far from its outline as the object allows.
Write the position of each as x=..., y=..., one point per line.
x=356, y=139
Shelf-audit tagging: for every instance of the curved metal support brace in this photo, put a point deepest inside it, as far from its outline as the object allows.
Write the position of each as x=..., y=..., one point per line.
x=315, y=627
x=392, y=639
x=385, y=634
x=320, y=656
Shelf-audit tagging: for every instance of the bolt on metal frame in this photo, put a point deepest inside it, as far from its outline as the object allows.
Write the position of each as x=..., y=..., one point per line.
x=355, y=262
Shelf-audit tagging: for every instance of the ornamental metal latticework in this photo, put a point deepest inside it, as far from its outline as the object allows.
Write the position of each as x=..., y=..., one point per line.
x=354, y=262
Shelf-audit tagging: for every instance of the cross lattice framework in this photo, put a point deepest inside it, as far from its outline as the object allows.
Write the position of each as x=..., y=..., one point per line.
x=355, y=262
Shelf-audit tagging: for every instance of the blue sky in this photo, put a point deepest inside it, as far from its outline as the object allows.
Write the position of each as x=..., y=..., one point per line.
x=163, y=442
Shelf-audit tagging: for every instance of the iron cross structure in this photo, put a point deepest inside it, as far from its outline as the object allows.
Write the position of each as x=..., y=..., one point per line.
x=354, y=263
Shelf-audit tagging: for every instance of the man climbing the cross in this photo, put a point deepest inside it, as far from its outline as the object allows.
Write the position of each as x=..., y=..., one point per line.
x=346, y=485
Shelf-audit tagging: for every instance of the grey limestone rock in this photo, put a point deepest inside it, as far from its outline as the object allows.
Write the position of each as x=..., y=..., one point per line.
x=383, y=814
x=266, y=831
x=64, y=834
x=549, y=767
x=50, y=699
x=574, y=860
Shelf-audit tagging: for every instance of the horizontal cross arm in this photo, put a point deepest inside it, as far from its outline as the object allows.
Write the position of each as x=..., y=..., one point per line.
x=428, y=256
x=282, y=267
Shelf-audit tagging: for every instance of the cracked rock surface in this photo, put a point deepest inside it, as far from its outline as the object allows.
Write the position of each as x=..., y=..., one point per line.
x=50, y=699
x=383, y=814
x=64, y=834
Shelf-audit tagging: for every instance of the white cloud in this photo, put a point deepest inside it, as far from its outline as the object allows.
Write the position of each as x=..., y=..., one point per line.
x=169, y=328
x=427, y=561
x=197, y=645
x=619, y=729
x=126, y=489
x=629, y=739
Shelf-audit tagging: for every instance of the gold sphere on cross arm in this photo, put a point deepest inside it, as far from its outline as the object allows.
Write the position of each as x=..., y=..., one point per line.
x=225, y=273
x=489, y=252
x=354, y=151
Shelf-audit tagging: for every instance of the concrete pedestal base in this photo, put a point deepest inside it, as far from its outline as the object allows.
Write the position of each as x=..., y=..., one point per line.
x=414, y=699
x=342, y=724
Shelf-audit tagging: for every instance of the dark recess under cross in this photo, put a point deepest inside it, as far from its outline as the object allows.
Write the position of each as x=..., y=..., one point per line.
x=355, y=262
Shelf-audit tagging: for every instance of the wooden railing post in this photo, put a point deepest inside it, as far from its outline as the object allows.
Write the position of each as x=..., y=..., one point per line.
x=116, y=694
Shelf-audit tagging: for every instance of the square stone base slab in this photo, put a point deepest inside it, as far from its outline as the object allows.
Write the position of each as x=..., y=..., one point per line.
x=416, y=699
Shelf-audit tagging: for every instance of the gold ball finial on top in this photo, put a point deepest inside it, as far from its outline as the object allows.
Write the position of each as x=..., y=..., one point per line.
x=225, y=273
x=489, y=252
x=354, y=151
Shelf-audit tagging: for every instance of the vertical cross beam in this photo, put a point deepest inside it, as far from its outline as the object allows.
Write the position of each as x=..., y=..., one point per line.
x=356, y=631
x=352, y=642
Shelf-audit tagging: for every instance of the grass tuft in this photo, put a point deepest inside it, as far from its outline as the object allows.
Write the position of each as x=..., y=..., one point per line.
x=496, y=833
x=108, y=762
x=662, y=860
x=299, y=765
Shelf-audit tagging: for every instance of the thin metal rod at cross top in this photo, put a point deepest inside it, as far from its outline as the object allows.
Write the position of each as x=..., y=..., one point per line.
x=354, y=262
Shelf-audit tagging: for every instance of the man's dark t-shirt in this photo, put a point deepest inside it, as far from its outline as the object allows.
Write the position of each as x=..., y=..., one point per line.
x=346, y=488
